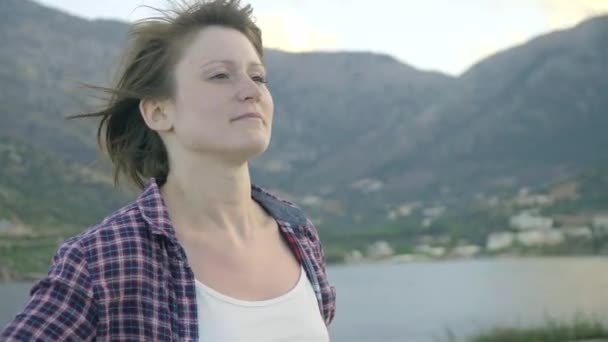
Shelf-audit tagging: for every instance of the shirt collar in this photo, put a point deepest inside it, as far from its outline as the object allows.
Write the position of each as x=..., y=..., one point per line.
x=154, y=211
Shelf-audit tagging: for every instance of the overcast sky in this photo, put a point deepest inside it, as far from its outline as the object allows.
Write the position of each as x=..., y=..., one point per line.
x=442, y=35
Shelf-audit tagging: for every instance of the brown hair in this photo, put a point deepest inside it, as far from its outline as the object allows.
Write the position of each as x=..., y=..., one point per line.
x=155, y=47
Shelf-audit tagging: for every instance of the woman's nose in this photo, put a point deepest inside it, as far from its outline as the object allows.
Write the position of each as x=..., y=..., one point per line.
x=249, y=90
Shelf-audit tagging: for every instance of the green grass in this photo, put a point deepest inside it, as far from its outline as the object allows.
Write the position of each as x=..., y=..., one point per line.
x=26, y=257
x=31, y=253
x=553, y=331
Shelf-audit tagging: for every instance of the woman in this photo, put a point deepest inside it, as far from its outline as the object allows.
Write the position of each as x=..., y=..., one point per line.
x=202, y=254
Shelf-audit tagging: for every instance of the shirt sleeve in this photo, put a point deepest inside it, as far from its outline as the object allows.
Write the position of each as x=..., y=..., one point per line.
x=61, y=305
x=313, y=235
x=330, y=302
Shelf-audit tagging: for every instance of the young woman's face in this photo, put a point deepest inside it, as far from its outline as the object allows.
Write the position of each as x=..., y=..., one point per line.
x=221, y=105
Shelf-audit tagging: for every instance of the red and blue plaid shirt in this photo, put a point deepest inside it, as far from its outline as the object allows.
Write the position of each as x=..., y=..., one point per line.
x=128, y=279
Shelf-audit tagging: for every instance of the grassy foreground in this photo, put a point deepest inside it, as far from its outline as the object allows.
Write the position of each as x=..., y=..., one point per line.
x=580, y=329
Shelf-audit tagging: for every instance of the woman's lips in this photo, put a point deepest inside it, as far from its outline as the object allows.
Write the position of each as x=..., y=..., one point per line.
x=250, y=115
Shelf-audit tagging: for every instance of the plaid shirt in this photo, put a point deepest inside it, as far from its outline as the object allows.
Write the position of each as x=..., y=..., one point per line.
x=128, y=279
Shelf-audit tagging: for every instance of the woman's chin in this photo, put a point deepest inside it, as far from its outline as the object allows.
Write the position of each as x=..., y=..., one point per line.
x=255, y=150
x=248, y=151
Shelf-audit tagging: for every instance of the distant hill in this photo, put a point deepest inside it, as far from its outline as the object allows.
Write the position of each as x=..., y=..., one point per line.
x=45, y=55
x=355, y=134
x=39, y=190
x=528, y=114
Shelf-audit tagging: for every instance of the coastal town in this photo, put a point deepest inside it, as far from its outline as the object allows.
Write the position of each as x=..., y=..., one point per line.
x=528, y=231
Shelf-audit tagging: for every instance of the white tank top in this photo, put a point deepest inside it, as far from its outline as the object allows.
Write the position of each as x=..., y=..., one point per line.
x=293, y=316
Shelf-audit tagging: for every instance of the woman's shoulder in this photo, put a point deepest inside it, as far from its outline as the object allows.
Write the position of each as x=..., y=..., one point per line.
x=120, y=226
x=261, y=192
x=286, y=211
x=280, y=208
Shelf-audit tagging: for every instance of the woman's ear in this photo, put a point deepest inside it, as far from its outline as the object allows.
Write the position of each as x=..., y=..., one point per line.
x=155, y=115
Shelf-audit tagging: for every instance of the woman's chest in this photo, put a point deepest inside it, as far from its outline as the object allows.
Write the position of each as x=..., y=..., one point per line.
x=260, y=272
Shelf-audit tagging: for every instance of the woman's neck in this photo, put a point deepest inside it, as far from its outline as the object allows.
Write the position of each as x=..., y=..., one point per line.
x=211, y=199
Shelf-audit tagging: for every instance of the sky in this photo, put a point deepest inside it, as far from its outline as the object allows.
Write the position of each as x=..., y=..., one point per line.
x=439, y=35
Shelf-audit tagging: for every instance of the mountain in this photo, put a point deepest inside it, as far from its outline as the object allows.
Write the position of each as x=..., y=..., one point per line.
x=528, y=113
x=355, y=134
x=45, y=55
x=523, y=117
x=325, y=101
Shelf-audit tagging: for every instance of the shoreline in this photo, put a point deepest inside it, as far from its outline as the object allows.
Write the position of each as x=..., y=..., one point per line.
x=396, y=260
x=6, y=276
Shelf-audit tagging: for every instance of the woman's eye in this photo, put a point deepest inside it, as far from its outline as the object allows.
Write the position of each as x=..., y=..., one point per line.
x=221, y=76
x=259, y=79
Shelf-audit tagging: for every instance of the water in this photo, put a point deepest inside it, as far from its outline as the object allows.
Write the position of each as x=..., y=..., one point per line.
x=423, y=301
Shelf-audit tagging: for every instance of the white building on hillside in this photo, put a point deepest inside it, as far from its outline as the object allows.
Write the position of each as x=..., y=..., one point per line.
x=500, y=240
x=528, y=221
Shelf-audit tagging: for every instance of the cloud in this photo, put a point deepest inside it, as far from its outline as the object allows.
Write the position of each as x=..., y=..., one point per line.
x=566, y=13
x=284, y=30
